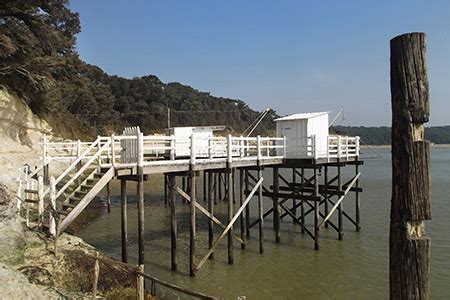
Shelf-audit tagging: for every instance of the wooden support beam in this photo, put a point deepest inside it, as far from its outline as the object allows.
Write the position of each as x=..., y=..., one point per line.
x=205, y=212
x=357, y=202
x=339, y=207
x=294, y=201
x=236, y=216
x=336, y=205
x=211, y=177
x=316, y=211
x=173, y=222
x=124, y=220
x=326, y=184
x=276, y=205
x=303, y=183
x=192, y=226
x=140, y=203
x=230, y=196
x=411, y=178
x=260, y=212
x=247, y=208
x=241, y=201
x=108, y=197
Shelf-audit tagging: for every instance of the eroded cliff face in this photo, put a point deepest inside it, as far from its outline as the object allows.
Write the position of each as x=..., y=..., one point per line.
x=20, y=134
x=17, y=121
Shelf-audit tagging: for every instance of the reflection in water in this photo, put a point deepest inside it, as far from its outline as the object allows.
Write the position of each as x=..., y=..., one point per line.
x=356, y=267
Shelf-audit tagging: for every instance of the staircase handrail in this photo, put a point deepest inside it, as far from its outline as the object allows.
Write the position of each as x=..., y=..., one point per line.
x=83, y=168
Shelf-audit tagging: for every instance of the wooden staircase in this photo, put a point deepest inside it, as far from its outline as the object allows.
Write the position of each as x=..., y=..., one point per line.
x=73, y=204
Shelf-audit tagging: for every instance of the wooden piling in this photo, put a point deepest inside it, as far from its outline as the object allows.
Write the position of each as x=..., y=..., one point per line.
x=108, y=197
x=357, y=201
x=230, y=196
x=260, y=213
x=192, y=224
x=411, y=192
x=340, y=206
x=247, y=208
x=276, y=206
x=166, y=187
x=325, y=182
x=173, y=222
x=211, y=177
x=140, y=204
x=294, y=201
x=123, y=218
x=241, y=200
x=316, y=210
x=302, y=206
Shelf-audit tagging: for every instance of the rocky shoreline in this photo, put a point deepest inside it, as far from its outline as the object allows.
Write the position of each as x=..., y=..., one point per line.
x=29, y=268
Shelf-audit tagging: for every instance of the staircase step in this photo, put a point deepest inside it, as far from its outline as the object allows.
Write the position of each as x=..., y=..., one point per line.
x=76, y=199
x=70, y=205
x=98, y=175
x=31, y=201
x=31, y=191
x=81, y=192
x=63, y=212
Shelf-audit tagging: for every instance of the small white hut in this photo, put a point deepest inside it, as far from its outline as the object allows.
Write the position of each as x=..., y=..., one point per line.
x=306, y=134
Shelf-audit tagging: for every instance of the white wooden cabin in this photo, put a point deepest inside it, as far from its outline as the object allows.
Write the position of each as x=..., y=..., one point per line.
x=202, y=136
x=307, y=136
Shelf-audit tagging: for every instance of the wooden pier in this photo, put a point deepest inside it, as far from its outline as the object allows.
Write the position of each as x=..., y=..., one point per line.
x=316, y=188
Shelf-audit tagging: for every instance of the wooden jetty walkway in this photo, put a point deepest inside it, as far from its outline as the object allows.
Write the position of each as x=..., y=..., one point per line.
x=315, y=189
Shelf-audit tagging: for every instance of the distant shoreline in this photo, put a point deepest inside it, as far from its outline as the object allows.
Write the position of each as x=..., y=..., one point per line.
x=389, y=146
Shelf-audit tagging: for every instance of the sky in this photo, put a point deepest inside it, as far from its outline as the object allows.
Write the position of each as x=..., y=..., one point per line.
x=292, y=56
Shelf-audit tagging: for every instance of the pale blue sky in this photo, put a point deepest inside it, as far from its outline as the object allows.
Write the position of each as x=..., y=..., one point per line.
x=292, y=56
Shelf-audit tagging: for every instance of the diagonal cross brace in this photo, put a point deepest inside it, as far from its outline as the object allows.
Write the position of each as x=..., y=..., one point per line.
x=340, y=199
x=230, y=225
x=205, y=212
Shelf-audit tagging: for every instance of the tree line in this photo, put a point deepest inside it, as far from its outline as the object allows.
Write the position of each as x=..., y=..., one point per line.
x=382, y=135
x=39, y=62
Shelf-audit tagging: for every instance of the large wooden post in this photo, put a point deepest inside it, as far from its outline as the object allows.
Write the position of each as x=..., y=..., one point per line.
x=193, y=195
x=357, y=201
x=302, y=206
x=123, y=217
x=294, y=201
x=173, y=221
x=410, y=204
x=325, y=182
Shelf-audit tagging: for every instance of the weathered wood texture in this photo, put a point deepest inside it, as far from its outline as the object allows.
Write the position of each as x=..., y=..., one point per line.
x=410, y=204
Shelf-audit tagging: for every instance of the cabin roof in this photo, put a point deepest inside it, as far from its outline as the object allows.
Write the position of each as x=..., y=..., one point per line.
x=212, y=128
x=302, y=116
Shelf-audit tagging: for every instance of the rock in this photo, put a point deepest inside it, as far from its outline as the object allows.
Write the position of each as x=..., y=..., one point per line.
x=15, y=285
x=12, y=238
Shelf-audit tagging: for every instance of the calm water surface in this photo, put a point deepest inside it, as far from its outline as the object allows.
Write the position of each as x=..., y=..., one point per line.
x=356, y=267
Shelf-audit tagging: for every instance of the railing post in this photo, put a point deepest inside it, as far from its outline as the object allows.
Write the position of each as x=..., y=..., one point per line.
x=51, y=219
x=140, y=149
x=99, y=159
x=229, y=149
x=193, y=149
x=284, y=146
x=328, y=148
x=241, y=146
x=346, y=147
x=357, y=146
x=258, y=147
x=210, y=143
x=172, y=147
x=41, y=200
x=113, y=150
x=45, y=166
x=339, y=147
